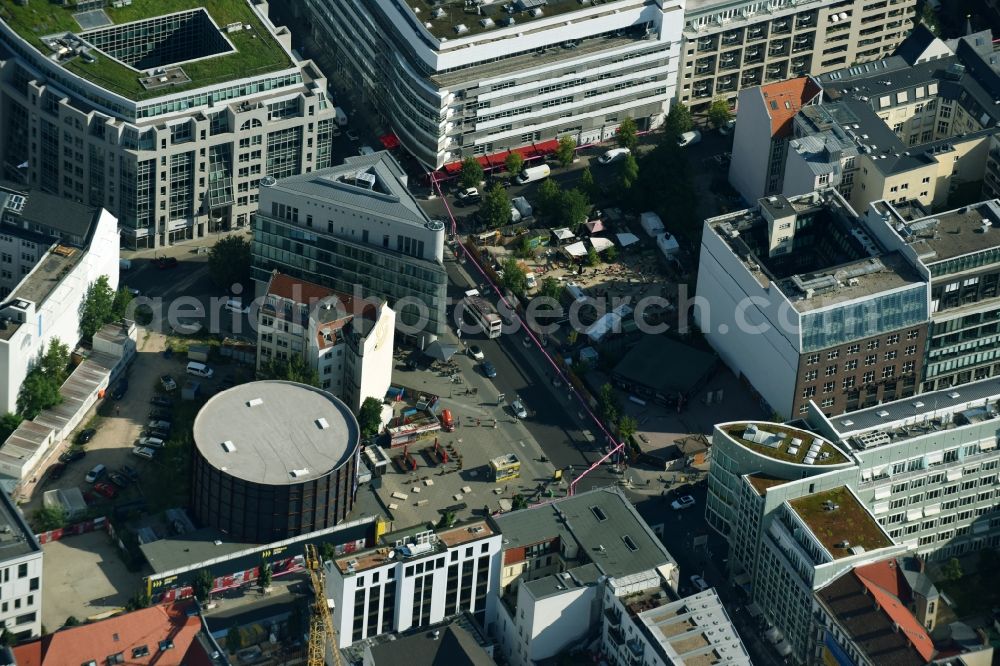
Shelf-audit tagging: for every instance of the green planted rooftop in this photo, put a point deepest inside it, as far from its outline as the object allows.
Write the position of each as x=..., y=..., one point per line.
x=786, y=443
x=255, y=51
x=840, y=522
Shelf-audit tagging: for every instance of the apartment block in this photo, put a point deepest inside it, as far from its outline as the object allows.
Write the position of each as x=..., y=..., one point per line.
x=414, y=578
x=453, y=82
x=357, y=230
x=347, y=343
x=169, y=121
x=810, y=302
x=734, y=44
x=51, y=251
x=20, y=574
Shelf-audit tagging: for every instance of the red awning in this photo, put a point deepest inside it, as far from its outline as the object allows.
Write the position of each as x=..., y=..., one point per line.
x=496, y=160
x=389, y=141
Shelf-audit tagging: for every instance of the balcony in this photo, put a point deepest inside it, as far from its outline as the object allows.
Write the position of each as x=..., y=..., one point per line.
x=614, y=618
x=636, y=648
x=615, y=634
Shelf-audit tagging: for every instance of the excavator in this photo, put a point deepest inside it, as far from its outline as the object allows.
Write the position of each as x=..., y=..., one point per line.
x=321, y=629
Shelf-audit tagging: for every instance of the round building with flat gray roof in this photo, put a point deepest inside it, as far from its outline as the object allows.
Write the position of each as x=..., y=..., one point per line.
x=274, y=460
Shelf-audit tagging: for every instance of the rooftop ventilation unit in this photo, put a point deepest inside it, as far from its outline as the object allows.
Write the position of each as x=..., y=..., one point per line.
x=296, y=473
x=461, y=29
x=255, y=402
x=228, y=446
x=322, y=423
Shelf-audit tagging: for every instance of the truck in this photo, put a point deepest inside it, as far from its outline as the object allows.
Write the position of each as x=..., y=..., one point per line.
x=532, y=174
x=505, y=467
x=447, y=421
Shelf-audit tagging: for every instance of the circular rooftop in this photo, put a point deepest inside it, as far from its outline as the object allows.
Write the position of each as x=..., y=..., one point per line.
x=276, y=432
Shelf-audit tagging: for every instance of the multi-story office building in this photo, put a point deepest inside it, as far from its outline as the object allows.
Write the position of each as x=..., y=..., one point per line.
x=454, y=81
x=347, y=343
x=805, y=299
x=734, y=44
x=169, y=121
x=20, y=574
x=414, y=578
x=356, y=229
x=914, y=126
x=51, y=251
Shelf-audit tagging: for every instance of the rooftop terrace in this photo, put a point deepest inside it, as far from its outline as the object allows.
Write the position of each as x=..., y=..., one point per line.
x=387, y=553
x=254, y=49
x=785, y=443
x=840, y=523
x=954, y=233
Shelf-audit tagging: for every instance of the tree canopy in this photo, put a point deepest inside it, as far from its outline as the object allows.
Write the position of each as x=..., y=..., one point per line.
x=472, y=173
x=550, y=287
x=514, y=162
x=8, y=424
x=628, y=135
x=719, y=113
x=514, y=277
x=628, y=173
x=678, y=121
x=566, y=151
x=98, y=307
x=547, y=197
x=370, y=417
x=295, y=369
x=574, y=207
x=495, y=207
x=40, y=388
x=587, y=183
x=229, y=262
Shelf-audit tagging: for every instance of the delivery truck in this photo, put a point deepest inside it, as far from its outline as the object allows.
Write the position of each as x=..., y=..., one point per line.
x=535, y=173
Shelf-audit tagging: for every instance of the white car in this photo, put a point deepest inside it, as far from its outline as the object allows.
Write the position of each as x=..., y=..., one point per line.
x=151, y=442
x=700, y=584
x=468, y=194
x=685, y=502
x=614, y=155
x=689, y=138
x=366, y=150
x=144, y=452
x=518, y=408
x=476, y=352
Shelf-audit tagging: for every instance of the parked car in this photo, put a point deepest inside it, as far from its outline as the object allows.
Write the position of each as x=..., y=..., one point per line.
x=161, y=401
x=159, y=425
x=699, y=583
x=119, y=479
x=72, y=455
x=96, y=473
x=84, y=436
x=56, y=471
x=488, y=369
x=168, y=383
x=160, y=414
x=151, y=442
x=614, y=155
x=685, y=502
x=143, y=452
x=689, y=138
x=120, y=390
x=518, y=408
x=156, y=432
x=728, y=127
x=166, y=262
x=476, y=352
x=199, y=370
x=106, y=489
x=128, y=473
x=468, y=195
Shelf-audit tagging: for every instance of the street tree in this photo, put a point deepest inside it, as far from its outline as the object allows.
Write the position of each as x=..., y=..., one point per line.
x=551, y=288
x=471, y=173
x=628, y=135
x=678, y=121
x=37, y=393
x=608, y=403
x=495, y=208
x=264, y=580
x=370, y=417
x=97, y=308
x=514, y=277
x=719, y=113
x=120, y=305
x=229, y=262
x=518, y=502
x=587, y=183
x=514, y=163
x=627, y=426
x=566, y=151
x=202, y=585
x=8, y=424
x=628, y=173
x=952, y=570
x=547, y=198
x=574, y=207
x=48, y=518
x=295, y=369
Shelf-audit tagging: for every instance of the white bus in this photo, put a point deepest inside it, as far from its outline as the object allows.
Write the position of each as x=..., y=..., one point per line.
x=484, y=314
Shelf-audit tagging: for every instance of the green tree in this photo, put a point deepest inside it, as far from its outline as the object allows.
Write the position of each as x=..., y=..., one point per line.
x=38, y=392
x=514, y=163
x=678, y=121
x=522, y=246
x=55, y=361
x=447, y=520
x=514, y=277
x=295, y=369
x=97, y=308
x=229, y=262
x=587, y=183
x=611, y=255
x=471, y=173
x=929, y=18
x=202, y=585
x=566, y=151
x=495, y=208
x=548, y=198
x=627, y=426
x=608, y=403
x=952, y=570
x=8, y=638
x=8, y=424
x=518, y=502
x=71, y=621
x=574, y=207
x=628, y=135
x=719, y=113
x=234, y=640
x=120, y=305
x=264, y=580
x=628, y=173
x=48, y=518
x=550, y=287
x=370, y=417
x=593, y=258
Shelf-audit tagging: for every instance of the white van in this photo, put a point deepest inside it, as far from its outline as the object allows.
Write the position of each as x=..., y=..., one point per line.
x=199, y=370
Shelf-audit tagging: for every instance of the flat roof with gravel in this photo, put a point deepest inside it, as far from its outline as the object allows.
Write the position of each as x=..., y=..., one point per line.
x=275, y=432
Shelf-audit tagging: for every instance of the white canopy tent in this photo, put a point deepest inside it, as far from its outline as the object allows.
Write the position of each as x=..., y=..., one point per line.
x=627, y=239
x=601, y=244
x=563, y=234
x=576, y=250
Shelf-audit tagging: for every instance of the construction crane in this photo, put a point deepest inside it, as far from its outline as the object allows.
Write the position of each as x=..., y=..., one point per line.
x=320, y=623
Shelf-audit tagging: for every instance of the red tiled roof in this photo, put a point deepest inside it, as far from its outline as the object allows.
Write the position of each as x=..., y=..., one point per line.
x=310, y=293
x=784, y=99
x=891, y=605
x=123, y=633
x=886, y=574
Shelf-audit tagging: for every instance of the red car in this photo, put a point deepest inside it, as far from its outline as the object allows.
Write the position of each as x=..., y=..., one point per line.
x=106, y=489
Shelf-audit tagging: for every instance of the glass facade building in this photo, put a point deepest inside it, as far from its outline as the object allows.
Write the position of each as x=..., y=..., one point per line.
x=875, y=315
